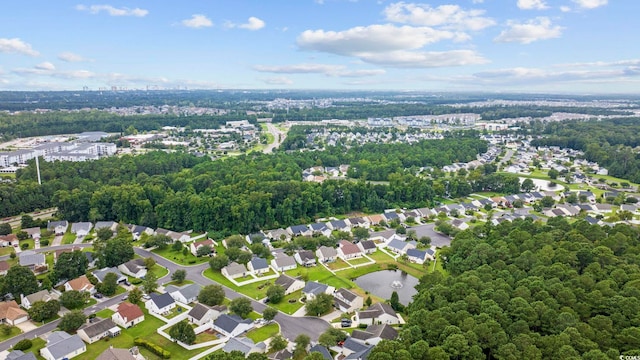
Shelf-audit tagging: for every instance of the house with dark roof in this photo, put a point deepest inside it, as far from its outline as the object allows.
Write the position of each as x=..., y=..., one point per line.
x=101, y=273
x=134, y=267
x=348, y=250
x=354, y=350
x=320, y=228
x=11, y=313
x=339, y=225
x=322, y=350
x=58, y=227
x=61, y=345
x=283, y=354
x=42, y=295
x=258, y=266
x=111, y=225
x=299, y=230
x=201, y=314
x=92, y=332
x=19, y=355
x=117, y=354
x=289, y=284
x=386, y=236
x=367, y=246
x=185, y=294
x=81, y=283
x=160, y=303
x=257, y=237
x=81, y=229
x=127, y=315
x=278, y=234
x=232, y=325
x=359, y=222
x=305, y=258
x=283, y=262
x=417, y=256
x=32, y=260
x=347, y=301
x=244, y=345
x=138, y=230
x=373, y=334
x=234, y=270
x=326, y=254
x=313, y=289
x=378, y=313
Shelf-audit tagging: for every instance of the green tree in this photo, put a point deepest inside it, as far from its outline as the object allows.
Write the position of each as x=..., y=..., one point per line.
x=211, y=295
x=360, y=233
x=70, y=265
x=5, y=229
x=73, y=299
x=394, y=301
x=183, y=332
x=547, y=202
x=41, y=311
x=109, y=285
x=275, y=293
x=218, y=262
x=553, y=174
x=71, y=321
x=20, y=280
x=528, y=185
x=204, y=250
x=176, y=246
x=235, y=241
x=179, y=276
x=269, y=313
x=149, y=263
x=319, y=305
x=135, y=295
x=150, y=282
x=117, y=251
x=104, y=234
x=331, y=337
x=241, y=306
x=278, y=343
x=302, y=341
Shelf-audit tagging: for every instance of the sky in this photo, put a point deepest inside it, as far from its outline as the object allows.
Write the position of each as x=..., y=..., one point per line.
x=542, y=46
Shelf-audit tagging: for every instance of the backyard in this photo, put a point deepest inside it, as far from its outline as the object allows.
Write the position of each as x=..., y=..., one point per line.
x=179, y=257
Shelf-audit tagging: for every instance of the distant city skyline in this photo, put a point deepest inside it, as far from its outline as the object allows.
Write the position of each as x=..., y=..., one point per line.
x=552, y=46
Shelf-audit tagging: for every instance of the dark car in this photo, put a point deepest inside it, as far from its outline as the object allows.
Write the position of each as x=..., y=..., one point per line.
x=97, y=296
x=345, y=323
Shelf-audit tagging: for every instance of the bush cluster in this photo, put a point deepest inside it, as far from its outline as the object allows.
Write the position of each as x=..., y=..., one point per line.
x=156, y=349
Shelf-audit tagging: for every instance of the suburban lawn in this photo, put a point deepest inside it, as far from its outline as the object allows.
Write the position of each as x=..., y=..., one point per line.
x=358, y=261
x=159, y=271
x=339, y=264
x=289, y=308
x=256, y=290
x=68, y=238
x=320, y=274
x=105, y=313
x=6, y=250
x=15, y=331
x=263, y=333
x=175, y=312
x=178, y=258
x=35, y=348
x=175, y=283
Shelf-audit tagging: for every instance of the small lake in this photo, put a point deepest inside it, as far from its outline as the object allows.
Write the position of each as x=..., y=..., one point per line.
x=383, y=283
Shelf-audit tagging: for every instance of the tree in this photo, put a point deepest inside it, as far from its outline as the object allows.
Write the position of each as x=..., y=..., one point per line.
x=22, y=235
x=149, y=263
x=278, y=343
x=176, y=246
x=135, y=295
x=41, y=311
x=26, y=221
x=5, y=329
x=73, y=299
x=150, y=282
x=211, y=295
x=269, y=313
x=218, y=262
x=20, y=280
x=319, y=305
x=71, y=321
x=360, y=233
x=395, y=301
x=204, y=250
x=235, y=241
x=109, y=285
x=314, y=356
x=547, y=201
x=275, y=293
x=553, y=174
x=183, y=332
x=104, y=234
x=331, y=337
x=117, y=251
x=302, y=342
x=241, y=306
x=259, y=250
x=5, y=229
x=179, y=276
x=425, y=241
x=528, y=185
x=70, y=265
x=368, y=301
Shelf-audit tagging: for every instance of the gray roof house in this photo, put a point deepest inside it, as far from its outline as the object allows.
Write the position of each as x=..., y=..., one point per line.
x=299, y=230
x=200, y=314
x=367, y=246
x=305, y=257
x=320, y=228
x=19, y=355
x=232, y=325
x=42, y=295
x=92, y=332
x=312, y=289
x=417, y=256
x=58, y=227
x=326, y=254
x=185, y=294
x=61, y=345
x=81, y=228
x=289, y=283
x=134, y=267
x=101, y=273
x=244, y=345
x=283, y=262
x=234, y=270
x=322, y=350
x=160, y=303
x=111, y=225
x=399, y=246
x=347, y=301
x=258, y=265
x=373, y=334
x=31, y=259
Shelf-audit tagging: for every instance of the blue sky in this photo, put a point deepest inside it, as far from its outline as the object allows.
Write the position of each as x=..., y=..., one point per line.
x=556, y=46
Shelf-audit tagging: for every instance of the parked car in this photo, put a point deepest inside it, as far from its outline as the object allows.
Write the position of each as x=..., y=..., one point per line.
x=345, y=323
x=97, y=296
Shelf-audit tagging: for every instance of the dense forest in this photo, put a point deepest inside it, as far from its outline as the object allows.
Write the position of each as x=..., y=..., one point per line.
x=610, y=143
x=526, y=290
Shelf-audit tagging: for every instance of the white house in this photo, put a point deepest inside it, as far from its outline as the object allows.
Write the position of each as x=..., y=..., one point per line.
x=289, y=283
x=231, y=325
x=326, y=254
x=61, y=345
x=258, y=266
x=305, y=258
x=185, y=294
x=313, y=289
x=348, y=250
x=378, y=313
x=160, y=303
x=42, y=295
x=201, y=314
x=10, y=313
x=194, y=246
x=134, y=267
x=283, y=262
x=94, y=331
x=347, y=301
x=81, y=283
x=234, y=270
x=127, y=315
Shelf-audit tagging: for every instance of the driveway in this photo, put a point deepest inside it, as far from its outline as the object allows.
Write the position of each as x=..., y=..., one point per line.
x=437, y=239
x=57, y=240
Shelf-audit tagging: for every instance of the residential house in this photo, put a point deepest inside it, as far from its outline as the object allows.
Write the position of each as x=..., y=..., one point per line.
x=33, y=260
x=355, y=350
x=244, y=345
x=326, y=254
x=61, y=345
x=278, y=235
x=93, y=331
x=373, y=334
x=322, y=350
x=58, y=227
x=100, y=274
x=299, y=230
x=386, y=236
x=33, y=232
x=160, y=303
x=184, y=236
x=347, y=301
x=359, y=222
x=367, y=246
x=185, y=294
x=400, y=247
x=194, y=246
x=378, y=313
x=305, y=258
x=376, y=219
x=258, y=266
x=117, y=354
x=4, y=267
x=127, y=315
x=90, y=258
x=283, y=262
x=111, y=225
x=11, y=313
x=420, y=256
x=320, y=228
x=81, y=229
x=339, y=225
x=283, y=354
x=348, y=250
x=138, y=230
x=459, y=224
x=234, y=270
x=134, y=267
x=42, y=295
x=20, y=355
x=231, y=325
x=201, y=314
x=289, y=284
x=57, y=253
x=257, y=237
x=312, y=289
x=81, y=283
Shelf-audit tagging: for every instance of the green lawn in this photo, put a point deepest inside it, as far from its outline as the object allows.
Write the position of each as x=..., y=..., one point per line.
x=256, y=290
x=35, y=348
x=159, y=271
x=15, y=331
x=68, y=238
x=29, y=242
x=263, y=333
x=358, y=261
x=205, y=336
x=6, y=250
x=178, y=258
x=105, y=313
x=320, y=274
x=147, y=330
x=289, y=308
x=175, y=312
x=89, y=303
x=175, y=283
x=338, y=265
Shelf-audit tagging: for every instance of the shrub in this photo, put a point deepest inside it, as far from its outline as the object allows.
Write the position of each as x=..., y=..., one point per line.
x=136, y=281
x=156, y=349
x=22, y=345
x=44, y=242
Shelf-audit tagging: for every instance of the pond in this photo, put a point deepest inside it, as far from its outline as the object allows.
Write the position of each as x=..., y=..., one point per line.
x=383, y=283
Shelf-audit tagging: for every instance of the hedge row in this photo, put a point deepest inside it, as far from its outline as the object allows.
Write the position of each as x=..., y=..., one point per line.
x=153, y=348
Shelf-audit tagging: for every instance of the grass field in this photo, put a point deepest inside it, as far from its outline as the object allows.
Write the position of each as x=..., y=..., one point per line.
x=105, y=313
x=263, y=333
x=289, y=308
x=255, y=290
x=68, y=238
x=339, y=264
x=358, y=261
x=179, y=258
x=159, y=271
x=15, y=331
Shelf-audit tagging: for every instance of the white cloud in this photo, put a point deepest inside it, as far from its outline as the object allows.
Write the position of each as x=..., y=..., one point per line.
x=278, y=81
x=253, y=23
x=590, y=4
x=113, y=11
x=446, y=16
x=477, y=1
x=71, y=57
x=45, y=66
x=325, y=69
x=425, y=59
x=197, y=21
x=533, y=30
x=532, y=5
x=565, y=8
x=16, y=46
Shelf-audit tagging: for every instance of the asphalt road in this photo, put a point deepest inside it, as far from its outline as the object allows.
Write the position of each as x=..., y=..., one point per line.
x=278, y=138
